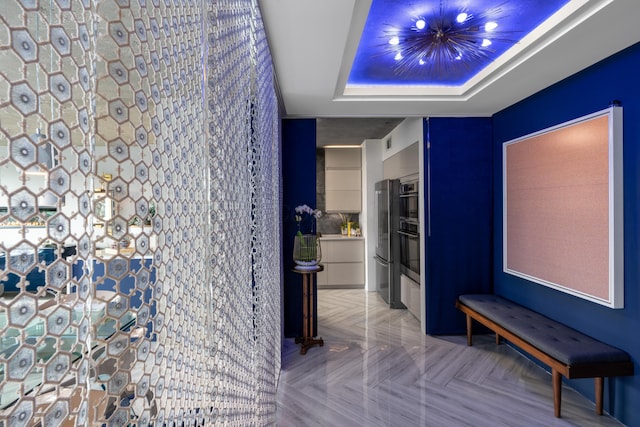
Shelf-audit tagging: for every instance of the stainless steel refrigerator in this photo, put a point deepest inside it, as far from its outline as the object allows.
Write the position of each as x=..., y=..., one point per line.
x=386, y=204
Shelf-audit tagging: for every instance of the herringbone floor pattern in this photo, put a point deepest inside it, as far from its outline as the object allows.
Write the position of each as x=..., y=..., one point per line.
x=376, y=368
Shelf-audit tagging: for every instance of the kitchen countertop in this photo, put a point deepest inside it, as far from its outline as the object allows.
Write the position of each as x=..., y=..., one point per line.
x=340, y=237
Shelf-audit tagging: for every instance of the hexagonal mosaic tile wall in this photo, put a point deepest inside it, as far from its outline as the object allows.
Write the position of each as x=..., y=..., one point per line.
x=139, y=206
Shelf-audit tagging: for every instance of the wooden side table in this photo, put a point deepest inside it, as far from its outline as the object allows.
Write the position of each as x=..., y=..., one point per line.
x=307, y=339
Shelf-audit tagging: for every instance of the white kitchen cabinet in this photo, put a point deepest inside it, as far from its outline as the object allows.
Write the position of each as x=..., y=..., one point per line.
x=343, y=201
x=343, y=187
x=343, y=261
x=342, y=158
x=342, y=179
x=410, y=295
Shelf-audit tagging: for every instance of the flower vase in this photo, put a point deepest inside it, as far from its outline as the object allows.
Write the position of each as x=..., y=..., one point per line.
x=306, y=251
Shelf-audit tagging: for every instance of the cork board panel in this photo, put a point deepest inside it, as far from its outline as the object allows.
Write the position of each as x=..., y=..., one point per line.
x=558, y=212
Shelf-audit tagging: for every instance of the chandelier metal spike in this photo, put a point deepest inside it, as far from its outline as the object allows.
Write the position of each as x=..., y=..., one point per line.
x=447, y=41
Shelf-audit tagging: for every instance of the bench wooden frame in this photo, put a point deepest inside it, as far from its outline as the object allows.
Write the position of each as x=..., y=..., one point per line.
x=597, y=370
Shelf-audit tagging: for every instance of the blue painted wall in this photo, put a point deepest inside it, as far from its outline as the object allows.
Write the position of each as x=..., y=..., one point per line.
x=298, y=187
x=458, y=161
x=591, y=90
x=36, y=277
x=137, y=291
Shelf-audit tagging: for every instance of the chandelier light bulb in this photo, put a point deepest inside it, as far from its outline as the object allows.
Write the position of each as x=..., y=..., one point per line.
x=444, y=44
x=490, y=26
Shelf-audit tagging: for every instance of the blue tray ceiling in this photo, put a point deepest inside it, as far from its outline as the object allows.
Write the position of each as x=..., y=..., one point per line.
x=379, y=63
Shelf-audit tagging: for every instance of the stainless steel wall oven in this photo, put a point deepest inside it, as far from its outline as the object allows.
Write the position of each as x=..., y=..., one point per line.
x=409, y=201
x=409, y=230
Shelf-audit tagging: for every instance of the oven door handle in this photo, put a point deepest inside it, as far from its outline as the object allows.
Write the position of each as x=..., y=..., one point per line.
x=410, y=235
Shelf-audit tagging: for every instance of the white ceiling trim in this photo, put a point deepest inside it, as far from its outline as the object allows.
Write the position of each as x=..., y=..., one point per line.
x=313, y=45
x=563, y=21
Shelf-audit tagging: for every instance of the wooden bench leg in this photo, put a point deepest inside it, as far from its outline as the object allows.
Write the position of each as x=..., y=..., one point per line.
x=557, y=391
x=497, y=339
x=599, y=383
x=469, y=322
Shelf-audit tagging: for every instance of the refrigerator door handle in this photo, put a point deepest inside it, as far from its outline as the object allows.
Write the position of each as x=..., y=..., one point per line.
x=381, y=261
x=376, y=209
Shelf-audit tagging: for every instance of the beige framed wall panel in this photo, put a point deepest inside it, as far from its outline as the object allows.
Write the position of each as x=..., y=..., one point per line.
x=563, y=207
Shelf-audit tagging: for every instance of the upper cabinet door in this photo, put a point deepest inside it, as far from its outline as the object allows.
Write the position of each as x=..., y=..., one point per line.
x=342, y=158
x=343, y=201
x=343, y=180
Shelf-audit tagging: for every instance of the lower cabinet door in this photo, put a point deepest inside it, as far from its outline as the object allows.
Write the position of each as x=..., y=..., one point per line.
x=343, y=261
x=348, y=273
x=341, y=274
x=322, y=277
x=410, y=295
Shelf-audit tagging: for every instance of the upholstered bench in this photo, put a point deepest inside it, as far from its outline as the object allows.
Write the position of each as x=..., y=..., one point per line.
x=566, y=351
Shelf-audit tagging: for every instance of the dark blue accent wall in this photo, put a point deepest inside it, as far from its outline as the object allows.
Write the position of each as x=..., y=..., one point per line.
x=458, y=164
x=36, y=277
x=298, y=187
x=617, y=77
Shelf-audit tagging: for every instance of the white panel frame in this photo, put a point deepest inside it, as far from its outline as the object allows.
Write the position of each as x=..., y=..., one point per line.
x=615, y=298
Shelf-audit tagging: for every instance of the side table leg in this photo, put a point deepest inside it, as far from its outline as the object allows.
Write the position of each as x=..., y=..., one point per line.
x=305, y=308
x=311, y=333
x=308, y=331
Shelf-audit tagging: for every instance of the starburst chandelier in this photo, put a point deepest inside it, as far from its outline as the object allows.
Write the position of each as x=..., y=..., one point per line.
x=447, y=41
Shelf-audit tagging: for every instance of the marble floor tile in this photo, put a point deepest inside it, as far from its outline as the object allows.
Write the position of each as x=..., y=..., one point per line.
x=376, y=368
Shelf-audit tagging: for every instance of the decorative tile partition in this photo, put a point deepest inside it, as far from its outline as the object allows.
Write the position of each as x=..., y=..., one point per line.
x=139, y=197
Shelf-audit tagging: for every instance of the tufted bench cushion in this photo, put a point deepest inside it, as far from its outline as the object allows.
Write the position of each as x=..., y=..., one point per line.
x=567, y=352
x=555, y=339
